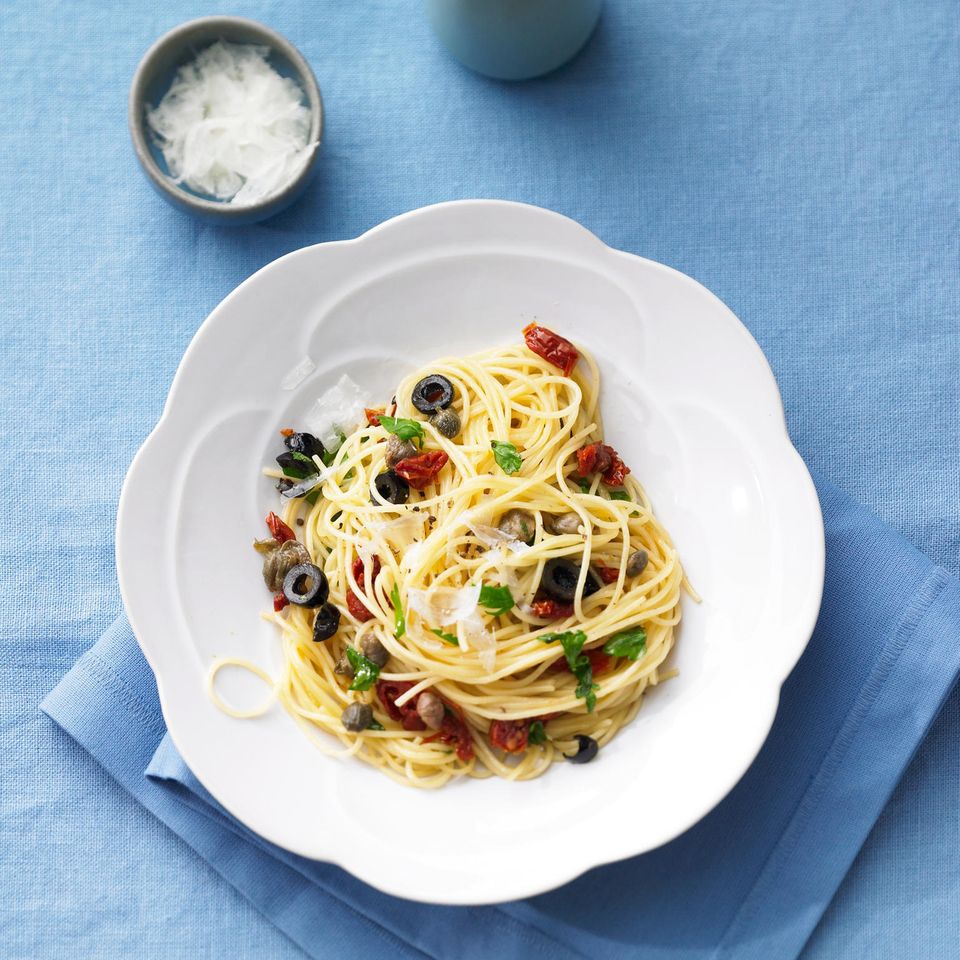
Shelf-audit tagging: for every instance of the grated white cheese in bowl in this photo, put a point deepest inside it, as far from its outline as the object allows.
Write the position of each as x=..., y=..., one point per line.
x=231, y=126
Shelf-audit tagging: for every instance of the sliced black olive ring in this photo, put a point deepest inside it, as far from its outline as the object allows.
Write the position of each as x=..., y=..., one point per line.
x=326, y=623
x=560, y=577
x=306, y=585
x=392, y=487
x=432, y=393
x=587, y=749
x=305, y=443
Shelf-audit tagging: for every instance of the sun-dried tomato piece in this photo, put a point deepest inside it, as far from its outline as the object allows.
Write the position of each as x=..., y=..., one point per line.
x=454, y=730
x=359, y=567
x=510, y=735
x=389, y=691
x=607, y=574
x=279, y=602
x=603, y=459
x=551, y=346
x=278, y=529
x=373, y=415
x=600, y=662
x=357, y=610
x=286, y=432
x=420, y=471
x=551, y=609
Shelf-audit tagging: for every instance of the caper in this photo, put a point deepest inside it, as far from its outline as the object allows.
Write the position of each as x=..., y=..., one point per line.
x=637, y=563
x=278, y=562
x=398, y=450
x=344, y=667
x=430, y=709
x=374, y=650
x=446, y=423
x=518, y=524
x=357, y=717
x=562, y=523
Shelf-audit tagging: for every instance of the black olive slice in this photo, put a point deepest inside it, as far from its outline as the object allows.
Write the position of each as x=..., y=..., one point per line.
x=305, y=443
x=392, y=487
x=587, y=749
x=306, y=585
x=432, y=393
x=298, y=463
x=326, y=624
x=560, y=577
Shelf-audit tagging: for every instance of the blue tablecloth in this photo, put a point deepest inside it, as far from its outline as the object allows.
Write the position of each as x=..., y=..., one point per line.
x=800, y=160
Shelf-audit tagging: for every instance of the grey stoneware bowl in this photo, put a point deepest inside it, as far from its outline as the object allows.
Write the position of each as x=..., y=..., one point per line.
x=152, y=80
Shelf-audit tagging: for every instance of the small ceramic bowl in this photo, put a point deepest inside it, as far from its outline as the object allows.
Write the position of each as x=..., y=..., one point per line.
x=152, y=80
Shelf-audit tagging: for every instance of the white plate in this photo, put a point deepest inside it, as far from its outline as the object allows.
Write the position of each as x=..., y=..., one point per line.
x=687, y=398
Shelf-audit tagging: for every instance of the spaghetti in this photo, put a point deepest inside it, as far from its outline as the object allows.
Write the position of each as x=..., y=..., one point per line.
x=507, y=610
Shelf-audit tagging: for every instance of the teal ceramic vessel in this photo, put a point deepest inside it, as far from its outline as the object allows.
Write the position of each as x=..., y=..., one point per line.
x=514, y=39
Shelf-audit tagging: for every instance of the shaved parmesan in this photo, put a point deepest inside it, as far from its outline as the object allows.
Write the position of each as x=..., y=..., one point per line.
x=231, y=127
x=412, y=555
x=341, y=409
x=475, y=634
x=443, y=605
x=398, y=532
x=493, y=536
x=298, y=374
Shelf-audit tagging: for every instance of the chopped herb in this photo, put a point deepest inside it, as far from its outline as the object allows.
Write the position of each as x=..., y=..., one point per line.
x=404, y=429
x=365, y=672
x=586, y=688
x=376, y=725
x=579, y=663
x=497, y=600
x=400, y=624
x=336, y=516
x=619, y=495
x=312, y=497
x=506, y=456
x=349, y=474
x=572, y=642
x=537, y=734
x=628, y=643
x=584, y=485
x=446, y=637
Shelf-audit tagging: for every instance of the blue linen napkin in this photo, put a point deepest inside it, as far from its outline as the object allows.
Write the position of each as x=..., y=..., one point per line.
x=751, y=880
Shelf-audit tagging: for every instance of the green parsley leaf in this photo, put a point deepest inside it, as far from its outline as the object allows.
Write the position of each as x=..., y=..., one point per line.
x=584, y=485
x=404, y=429
x=400, y=627
x=579, y=663
x=365, y=672
x=619, y=495
x=497, y=600
x=586, y=687
x=376, y=725
x=537, y=734
x=446, y=637
x=628, y=643
x=506, y=456
x=572, y=642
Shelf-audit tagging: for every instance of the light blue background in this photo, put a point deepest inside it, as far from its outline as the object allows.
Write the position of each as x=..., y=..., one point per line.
x=802, y=161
